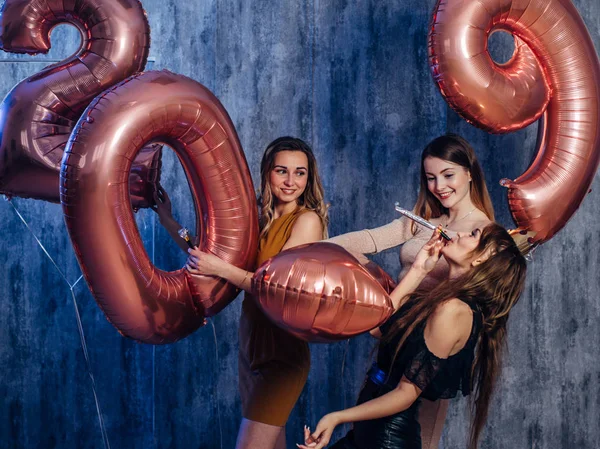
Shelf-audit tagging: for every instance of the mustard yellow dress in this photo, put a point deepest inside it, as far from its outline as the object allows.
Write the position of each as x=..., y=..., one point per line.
x=273, y=365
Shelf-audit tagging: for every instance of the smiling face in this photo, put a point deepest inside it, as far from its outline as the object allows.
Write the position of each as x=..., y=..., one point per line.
x=289, y=176
x=447, y=181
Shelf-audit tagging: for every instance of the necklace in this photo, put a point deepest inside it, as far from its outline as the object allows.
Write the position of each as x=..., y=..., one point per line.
x=461, y=218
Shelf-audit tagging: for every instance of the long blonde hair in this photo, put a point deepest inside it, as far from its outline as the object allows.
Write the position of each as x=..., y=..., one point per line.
x=455, y=149
x=312, y=198
x=493, y=288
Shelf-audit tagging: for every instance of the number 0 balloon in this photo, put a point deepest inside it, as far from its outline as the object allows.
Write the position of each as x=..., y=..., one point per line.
x=141, y=301
x=554, y=74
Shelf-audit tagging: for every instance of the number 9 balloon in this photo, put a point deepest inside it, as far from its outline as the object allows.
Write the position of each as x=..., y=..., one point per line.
x=38, y=115
x=554, y=73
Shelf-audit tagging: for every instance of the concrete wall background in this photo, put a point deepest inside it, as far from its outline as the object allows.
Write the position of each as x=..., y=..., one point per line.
x=352, y=79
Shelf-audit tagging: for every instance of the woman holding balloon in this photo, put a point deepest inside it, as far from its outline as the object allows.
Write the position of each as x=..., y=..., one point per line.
x=273, y=365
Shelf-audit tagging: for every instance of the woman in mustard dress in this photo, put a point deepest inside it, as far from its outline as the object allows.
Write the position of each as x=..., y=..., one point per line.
x=273, y=365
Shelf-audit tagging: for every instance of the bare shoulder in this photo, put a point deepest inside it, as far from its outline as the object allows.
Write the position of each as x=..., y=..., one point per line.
x=449, y=327
x=453, y=309
x=306, y=229
x=454, y=316
x=308, y=218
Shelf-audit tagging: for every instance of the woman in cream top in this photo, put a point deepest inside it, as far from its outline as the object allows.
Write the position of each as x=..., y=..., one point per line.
x=452, y=193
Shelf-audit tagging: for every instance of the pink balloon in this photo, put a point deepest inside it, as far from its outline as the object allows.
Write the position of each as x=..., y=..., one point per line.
x=554, y=71
x=319, y=292
x=140, y=300
x=381, y=276
x=39, y=114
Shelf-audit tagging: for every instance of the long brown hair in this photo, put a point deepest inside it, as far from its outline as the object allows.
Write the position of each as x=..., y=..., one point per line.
x=313, y=196
x=455, y=149
x=493, y=288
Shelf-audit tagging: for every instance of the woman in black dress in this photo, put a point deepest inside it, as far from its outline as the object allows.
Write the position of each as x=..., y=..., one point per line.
x=437, y=343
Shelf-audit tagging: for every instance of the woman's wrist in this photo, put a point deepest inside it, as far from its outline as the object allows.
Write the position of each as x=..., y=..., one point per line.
x=340, y=417
x=418, y=272
x=222, y=269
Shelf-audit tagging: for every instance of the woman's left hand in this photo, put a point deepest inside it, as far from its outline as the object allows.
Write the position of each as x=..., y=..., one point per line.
x=322, y=434
x=207, y=264
x=429, y=255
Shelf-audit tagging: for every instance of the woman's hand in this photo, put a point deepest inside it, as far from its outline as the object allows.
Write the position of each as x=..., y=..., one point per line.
x=162, y=204
x=322, y=434
x=429, y=255
x=205, y=263
x=308, y=441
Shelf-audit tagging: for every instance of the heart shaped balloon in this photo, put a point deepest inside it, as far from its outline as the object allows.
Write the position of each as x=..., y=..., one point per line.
x=319, y=292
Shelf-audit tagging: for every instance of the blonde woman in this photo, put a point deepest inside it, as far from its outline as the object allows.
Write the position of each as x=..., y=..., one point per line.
x=273, y=365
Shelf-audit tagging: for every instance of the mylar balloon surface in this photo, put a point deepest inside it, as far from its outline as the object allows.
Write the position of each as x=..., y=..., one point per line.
x=381, y=276
x=554, y=74
x=140, y=300
x=38, y=115
x=319, y=292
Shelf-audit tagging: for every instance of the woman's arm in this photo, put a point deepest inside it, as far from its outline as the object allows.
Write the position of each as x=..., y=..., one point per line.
x=425, y=260
x=162, y=207
x=203, y=263
x=397, y=400
x=446, y=333
x=306, y=229
x=373, y=241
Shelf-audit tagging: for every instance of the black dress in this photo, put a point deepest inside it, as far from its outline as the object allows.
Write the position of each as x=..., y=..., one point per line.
x=437, y=378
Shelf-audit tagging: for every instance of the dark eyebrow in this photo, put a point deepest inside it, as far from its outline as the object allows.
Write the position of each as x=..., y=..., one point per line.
x=297, y=168
x=449, y=168
x=446, y=169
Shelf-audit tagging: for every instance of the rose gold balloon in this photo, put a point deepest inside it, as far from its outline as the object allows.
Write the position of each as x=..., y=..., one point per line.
x=144, y=178
x=554, y=71
x=38, y=115
x=381, y=276
x=319, y=292
x=141, y=301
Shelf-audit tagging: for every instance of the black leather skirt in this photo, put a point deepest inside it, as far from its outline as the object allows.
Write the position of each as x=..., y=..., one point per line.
x=398, y=431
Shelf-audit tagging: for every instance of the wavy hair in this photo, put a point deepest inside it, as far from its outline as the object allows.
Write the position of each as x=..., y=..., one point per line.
x=493, y=288
x=313, y=196
x=455, y=149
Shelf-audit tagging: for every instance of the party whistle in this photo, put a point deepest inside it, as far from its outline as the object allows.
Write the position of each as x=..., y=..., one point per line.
x=184, y=233
x=420, y=220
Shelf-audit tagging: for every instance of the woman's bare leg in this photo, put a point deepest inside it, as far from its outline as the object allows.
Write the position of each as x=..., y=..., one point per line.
x=281, y=440
x=432, y=415
x=255, y=434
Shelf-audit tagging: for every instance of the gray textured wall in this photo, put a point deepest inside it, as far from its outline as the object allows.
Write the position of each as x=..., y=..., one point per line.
x=352, y=79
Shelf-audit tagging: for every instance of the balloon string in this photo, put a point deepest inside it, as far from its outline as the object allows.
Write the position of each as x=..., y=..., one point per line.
x=90, y=372
x=342, y=373
x=77, y=281
x=79, y=325
x=216, y=377
x=153, y=400
x=39, y=243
